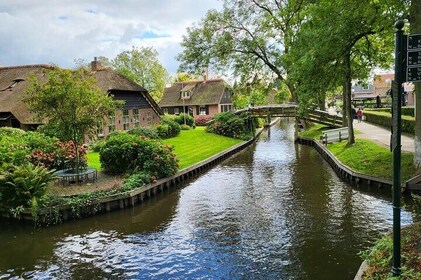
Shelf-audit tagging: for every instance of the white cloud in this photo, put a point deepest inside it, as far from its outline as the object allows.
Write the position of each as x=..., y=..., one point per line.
x=60, y=31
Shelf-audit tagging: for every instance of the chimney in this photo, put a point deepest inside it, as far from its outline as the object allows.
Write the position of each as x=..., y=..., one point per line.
x=95, y=64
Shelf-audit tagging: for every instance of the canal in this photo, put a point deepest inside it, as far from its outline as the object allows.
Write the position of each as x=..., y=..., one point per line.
x=274, y=211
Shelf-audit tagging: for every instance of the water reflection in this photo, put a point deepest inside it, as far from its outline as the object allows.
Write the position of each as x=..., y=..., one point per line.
x=274, y=211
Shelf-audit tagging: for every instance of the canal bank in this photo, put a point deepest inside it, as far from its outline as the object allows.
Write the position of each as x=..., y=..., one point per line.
x=274, y=211
x=130, y=198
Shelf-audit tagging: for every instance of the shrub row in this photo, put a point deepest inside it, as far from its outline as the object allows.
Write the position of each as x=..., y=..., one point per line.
x=385, y=119
x=406, y=111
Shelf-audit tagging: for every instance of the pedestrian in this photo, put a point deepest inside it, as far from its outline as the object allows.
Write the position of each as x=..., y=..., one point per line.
x=359, y=114
x=378, y=101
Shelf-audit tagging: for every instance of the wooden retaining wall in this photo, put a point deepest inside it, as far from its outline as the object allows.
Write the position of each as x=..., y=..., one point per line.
x=133, y=197
x=344, y=171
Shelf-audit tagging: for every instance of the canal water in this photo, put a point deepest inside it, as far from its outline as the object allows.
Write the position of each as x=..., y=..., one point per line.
x=274, y=211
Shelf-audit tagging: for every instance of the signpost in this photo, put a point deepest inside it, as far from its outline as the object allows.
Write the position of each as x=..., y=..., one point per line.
x=413, y=61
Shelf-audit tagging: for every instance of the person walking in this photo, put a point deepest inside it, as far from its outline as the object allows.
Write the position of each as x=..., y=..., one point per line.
x=359, y=114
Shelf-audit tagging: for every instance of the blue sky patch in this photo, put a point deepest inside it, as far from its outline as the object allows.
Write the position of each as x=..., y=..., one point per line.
x=63, y=17
x=151, y=35
x=90, y=11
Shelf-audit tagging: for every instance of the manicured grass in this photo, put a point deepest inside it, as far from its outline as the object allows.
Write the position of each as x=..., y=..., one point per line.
x=190, y=147
x=195, y=145
x=369, y=158
x=315, y=131
x=93, y=160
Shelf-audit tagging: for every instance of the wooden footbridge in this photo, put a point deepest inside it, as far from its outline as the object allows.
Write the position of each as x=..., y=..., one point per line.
x=290, y=111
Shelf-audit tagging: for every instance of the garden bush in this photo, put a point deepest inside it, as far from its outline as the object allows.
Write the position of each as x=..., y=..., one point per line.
x=144, y=131
x=130, y=153
x=232, y=125
x=137, y=180
x=185, y=127
x=172, y=130
x=407, y=111
x=16, y=145
x=189, y=119
x=202, y=120
x=24, y=185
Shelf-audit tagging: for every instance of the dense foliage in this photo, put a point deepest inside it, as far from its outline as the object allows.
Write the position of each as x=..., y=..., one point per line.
x=125, y=152
x=232, y=125
x=24, y=185
x=18, y=147
x=184, y=118
x=168, y=128
x=202, y=120
x=141, y=65
x=144, y=131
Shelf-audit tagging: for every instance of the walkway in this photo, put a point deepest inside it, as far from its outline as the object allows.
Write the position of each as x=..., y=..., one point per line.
x=382, y=135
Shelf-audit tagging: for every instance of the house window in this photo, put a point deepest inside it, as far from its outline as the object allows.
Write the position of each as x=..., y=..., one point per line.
x=202, y=110
x=126, y=120
x=100, y=130
x=165, y=110
x=176, y=111
x=136, y=117
x=111, y=123
x=185, y=94
x=149, y=118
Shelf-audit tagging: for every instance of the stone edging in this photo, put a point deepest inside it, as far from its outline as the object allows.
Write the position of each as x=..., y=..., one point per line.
x=137, y=196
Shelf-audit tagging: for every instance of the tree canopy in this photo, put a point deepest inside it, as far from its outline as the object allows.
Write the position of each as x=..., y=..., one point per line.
x=70, y=101
x=141, y=65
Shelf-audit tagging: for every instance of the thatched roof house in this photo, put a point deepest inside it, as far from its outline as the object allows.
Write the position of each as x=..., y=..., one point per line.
x=207, y=97
x=139, y=107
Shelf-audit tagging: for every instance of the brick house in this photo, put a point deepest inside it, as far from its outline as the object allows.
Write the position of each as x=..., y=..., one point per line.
x=139, y=108
x=198, y=98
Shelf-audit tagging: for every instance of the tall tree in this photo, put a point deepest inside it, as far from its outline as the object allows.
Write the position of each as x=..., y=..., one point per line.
x=360, y=38
x=415, y=26
x=141, y=65
x=71, y=101
x=248, y=38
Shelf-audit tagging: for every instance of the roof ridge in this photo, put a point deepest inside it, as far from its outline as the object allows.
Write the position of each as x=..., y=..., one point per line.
x=26, y=66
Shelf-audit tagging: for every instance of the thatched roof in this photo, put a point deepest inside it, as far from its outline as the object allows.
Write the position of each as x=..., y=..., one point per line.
x=202, y=93
x=14, y=82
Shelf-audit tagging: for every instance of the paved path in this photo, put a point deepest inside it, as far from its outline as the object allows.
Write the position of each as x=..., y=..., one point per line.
x=381, y=135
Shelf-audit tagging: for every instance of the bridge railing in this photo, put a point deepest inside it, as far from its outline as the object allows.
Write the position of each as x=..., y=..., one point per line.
x=290, y=110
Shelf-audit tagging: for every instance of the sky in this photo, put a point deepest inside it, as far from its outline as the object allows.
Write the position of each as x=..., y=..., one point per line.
x=62, y=31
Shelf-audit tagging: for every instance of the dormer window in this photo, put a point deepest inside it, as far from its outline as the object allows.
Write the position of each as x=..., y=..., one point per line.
x=185, y=95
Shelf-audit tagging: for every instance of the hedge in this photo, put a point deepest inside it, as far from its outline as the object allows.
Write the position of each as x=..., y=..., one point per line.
x=385, y=119
x=406, y=111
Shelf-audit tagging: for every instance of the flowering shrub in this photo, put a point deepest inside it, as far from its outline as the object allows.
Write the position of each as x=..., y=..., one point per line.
x=144, y=131
x=202, y=120
x=130, y=153
x=63, y=157
x=232, y=125
x=16, y=145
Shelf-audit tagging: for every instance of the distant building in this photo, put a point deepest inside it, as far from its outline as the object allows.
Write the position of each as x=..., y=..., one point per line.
x=197, y=98
x=139, y=108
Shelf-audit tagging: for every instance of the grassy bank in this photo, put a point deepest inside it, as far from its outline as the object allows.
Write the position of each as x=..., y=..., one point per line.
x=190, y=147
x=364, y=156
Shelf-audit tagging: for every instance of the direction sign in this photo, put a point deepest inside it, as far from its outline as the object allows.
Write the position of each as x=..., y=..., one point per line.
x=414, y=42
x=414, y=58
x=413, y=74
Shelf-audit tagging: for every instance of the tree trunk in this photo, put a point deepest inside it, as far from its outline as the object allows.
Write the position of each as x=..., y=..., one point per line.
x=415, y=22
x=347, y=91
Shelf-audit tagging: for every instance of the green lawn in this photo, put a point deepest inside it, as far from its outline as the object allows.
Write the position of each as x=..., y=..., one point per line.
x=190, y=147
x=314, y=131
x=367, y=157
x=93, y=160
x=195, y=145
